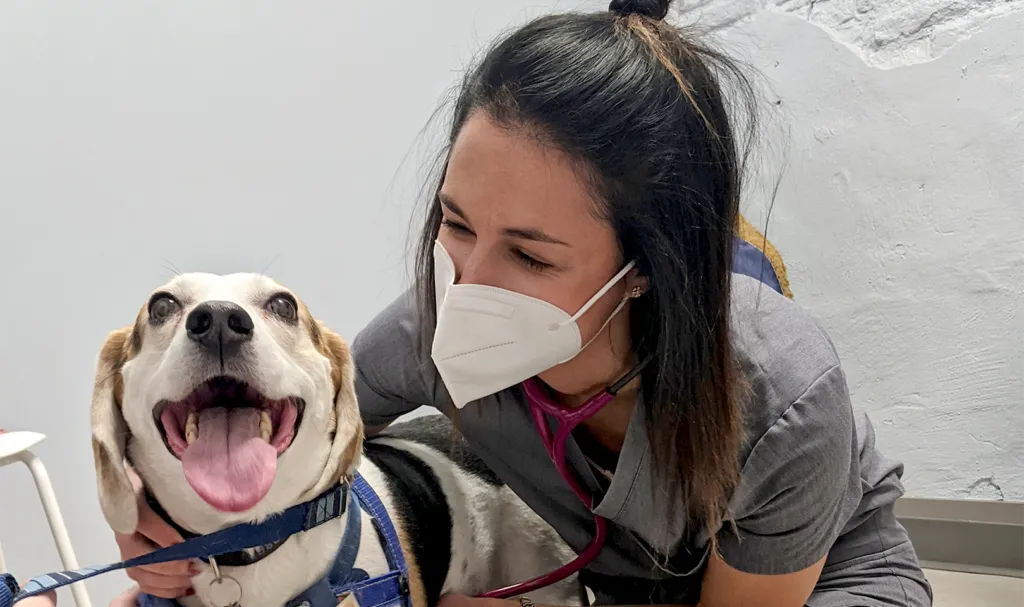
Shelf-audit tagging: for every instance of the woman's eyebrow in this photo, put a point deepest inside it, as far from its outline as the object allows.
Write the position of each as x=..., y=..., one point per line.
x=534, y=235
x=449, y=204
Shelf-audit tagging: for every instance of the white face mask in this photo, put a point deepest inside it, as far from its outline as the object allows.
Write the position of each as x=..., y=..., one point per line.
x=488, y=339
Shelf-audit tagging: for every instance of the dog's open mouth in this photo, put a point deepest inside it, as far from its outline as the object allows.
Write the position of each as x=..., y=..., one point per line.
x=228, y=437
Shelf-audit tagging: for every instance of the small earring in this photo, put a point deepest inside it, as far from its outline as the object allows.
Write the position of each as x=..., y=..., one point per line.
x=636, y=292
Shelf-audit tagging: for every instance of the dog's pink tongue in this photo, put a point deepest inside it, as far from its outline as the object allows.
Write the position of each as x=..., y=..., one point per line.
x=229, y=465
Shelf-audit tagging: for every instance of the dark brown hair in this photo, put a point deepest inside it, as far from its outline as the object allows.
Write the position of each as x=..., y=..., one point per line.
x=640, y=105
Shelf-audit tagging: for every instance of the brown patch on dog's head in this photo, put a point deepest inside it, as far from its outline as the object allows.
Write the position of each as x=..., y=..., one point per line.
x=109, y=431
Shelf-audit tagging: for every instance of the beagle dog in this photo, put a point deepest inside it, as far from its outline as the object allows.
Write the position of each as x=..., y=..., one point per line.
x=232, y=403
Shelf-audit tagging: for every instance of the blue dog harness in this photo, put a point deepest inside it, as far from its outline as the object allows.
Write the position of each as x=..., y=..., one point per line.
x=343, y=578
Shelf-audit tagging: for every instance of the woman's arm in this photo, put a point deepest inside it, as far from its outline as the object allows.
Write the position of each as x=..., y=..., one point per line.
x=371, y=431
x=725, y=586
x=458, y=600
x=798, y=488
x=391, y=379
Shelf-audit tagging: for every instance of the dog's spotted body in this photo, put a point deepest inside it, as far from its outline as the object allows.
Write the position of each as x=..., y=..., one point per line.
x=232, y=403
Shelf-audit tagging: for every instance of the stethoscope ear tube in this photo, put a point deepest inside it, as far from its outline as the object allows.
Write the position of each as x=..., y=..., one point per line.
x=628, y=377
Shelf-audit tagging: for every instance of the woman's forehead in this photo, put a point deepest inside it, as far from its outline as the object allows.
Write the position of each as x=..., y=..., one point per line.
x=505, y=177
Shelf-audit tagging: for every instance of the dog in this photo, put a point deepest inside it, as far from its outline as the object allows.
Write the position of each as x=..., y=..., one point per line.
x=232, y=403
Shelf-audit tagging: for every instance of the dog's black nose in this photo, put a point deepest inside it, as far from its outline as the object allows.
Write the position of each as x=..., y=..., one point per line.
x=219, y=326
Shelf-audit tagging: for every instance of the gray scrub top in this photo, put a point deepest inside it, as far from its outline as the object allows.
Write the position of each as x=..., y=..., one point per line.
x=812, y=482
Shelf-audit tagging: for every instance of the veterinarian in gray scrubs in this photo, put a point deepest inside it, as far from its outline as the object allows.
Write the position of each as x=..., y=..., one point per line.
x=602, y=154
x=733, y=470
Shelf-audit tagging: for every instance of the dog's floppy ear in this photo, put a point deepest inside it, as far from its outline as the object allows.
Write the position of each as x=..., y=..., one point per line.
x=348, y=426
x=109, y=434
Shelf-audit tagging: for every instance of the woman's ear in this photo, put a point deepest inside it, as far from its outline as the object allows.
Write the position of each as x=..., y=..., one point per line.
x=636, y=284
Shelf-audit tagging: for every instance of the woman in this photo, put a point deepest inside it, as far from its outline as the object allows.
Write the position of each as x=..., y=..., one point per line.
x=582, y=230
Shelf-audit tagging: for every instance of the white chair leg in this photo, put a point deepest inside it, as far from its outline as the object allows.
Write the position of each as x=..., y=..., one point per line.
x=57, y=528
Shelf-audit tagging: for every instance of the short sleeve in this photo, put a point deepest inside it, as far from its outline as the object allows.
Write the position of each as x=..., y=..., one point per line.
x=799, y=485
x=392, y=377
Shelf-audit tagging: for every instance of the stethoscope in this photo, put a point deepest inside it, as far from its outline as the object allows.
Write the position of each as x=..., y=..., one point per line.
x=568, y=418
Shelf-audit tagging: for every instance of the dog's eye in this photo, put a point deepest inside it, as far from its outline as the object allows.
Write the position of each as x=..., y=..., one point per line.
x=161, y=307
x=284, y=307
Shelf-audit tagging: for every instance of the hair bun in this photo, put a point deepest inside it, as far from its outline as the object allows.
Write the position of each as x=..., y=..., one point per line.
x=655, y=9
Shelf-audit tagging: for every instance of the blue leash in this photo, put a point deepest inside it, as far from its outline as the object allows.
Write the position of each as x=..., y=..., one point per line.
x=391, y=588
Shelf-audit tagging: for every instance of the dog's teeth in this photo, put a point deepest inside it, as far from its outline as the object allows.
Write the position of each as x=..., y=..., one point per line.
x=266, y=428
x=191, y=428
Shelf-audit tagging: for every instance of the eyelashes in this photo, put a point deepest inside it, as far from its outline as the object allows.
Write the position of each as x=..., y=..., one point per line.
x=518, y=255
x=530, y=262
x=455, y=227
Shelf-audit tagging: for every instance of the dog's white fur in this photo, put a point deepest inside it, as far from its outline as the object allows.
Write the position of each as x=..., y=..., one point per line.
x=146, y=363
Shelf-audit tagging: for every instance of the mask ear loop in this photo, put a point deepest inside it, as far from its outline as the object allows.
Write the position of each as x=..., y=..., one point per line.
x=614, y=313
x=607, y=287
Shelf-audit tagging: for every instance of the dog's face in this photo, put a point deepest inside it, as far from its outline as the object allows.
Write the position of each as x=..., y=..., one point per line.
x=229, y=400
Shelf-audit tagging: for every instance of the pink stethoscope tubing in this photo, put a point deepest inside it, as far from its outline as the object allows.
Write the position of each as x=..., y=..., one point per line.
x=569, y=419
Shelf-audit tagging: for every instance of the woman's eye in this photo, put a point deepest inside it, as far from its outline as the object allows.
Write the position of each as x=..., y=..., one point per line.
x=454, y=226
x=283, y=306
x=531, y=262
x=161, y=307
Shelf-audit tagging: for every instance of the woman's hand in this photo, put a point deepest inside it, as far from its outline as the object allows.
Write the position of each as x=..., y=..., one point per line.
x=46, y=599
x=165, y=580
x=128, y=598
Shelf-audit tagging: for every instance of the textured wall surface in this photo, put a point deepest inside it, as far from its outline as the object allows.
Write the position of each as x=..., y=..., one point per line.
x=901, y=214
x=884, y=33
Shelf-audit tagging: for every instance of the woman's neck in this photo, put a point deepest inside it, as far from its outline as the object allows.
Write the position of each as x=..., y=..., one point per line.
x=614, y=358
x=609, y=425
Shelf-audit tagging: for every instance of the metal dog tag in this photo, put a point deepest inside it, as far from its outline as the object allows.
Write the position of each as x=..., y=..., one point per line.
x=225, y=592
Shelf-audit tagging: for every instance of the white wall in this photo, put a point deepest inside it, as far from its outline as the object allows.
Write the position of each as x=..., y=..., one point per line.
x=136, y=137
x=901, y=213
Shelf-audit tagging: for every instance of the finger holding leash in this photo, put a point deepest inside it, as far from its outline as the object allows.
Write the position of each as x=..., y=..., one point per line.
x=9, y=587
x=48, y=599
x=165, y=580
